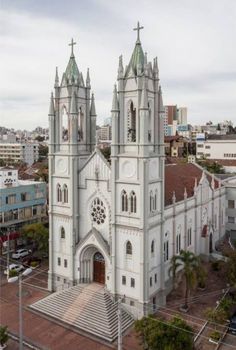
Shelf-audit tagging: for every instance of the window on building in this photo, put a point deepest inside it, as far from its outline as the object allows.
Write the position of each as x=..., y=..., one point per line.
x=178, y=243
x=189, y=236
x=133, y=202
x=129, y=248
x=155, y=200
x=34, y=210
x=65, y=194
x=124, y=201
x=150, y=281
x=207, y=146
x=131, y=123
x=200, y=146
x=231, y=204
x=166, y=251
x=131, y=303
x=155, y=277
x=64, y=280
x=59, y=261
x=231, y=219
x=63, y=233
x=65, y=262
x=58, y=279
x=152, y=247
x=151, y=202
x=132, y=282
x=59, y=193
x=124, y=280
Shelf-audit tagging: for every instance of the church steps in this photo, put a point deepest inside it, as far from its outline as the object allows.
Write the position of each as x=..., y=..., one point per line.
x=87, y=307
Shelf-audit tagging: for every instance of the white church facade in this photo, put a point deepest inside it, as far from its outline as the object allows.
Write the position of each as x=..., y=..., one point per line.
x=119, y=224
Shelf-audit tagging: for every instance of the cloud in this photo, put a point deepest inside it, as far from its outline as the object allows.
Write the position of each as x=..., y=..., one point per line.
x=194, y=43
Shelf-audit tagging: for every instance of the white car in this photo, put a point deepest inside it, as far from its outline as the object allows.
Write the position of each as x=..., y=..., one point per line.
x=20, y=253
x=14, y=267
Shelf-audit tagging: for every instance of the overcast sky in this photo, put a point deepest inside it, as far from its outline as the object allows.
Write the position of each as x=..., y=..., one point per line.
x=193, y=39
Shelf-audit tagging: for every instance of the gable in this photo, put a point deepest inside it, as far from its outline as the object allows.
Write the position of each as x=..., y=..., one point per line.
x=96, y=168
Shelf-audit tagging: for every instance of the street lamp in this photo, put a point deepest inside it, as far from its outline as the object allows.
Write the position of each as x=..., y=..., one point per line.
x=12, y=280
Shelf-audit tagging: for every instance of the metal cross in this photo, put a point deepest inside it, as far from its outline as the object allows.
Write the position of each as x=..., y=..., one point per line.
x=72, y=46
x=138, y=30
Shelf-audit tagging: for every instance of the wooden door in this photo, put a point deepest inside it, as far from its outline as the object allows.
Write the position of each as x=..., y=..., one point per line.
x=98, y=268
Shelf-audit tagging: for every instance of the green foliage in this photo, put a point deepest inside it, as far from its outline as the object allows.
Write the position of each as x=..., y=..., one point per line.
x=3, y=335
x=107, y=153
x=215, y=335
x=231, y=267
x=43, y=151
x=216, y=316
x=201, y=275
x=212, y=167
x=34, y=264
x=13, y=273
x=37, y=233
x=190, y=265
x=175, y=334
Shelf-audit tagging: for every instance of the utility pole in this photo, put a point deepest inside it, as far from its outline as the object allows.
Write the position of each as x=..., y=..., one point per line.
x=119, y=313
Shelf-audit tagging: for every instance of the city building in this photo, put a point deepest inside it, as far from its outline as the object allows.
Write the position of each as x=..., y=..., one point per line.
x=19, y=152
x=21, y=202
x=216, y=146
x=120, y=224
x=182, y=115
x=104, y=133
x=230, y=225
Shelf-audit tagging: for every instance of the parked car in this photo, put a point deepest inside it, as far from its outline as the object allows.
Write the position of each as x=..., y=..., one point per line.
x=14, y=267
x=232, y=324
x=21, y=253
x=31, y=261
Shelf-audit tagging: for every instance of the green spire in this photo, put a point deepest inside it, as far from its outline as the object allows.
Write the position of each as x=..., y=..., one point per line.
x=136, y=63
x=72, y=71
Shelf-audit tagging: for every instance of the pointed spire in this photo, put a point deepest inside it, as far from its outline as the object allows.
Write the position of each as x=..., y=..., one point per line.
x=185, y=193
x=161, y=105
x=120, y=68
x=173, y=198
x=145, y=58
x=92, y=107
x=115, y=105
x=56, y=79
x=73, y=104
x=51, y=108
x=155, y=68
x=88, y=79
x=144, y=98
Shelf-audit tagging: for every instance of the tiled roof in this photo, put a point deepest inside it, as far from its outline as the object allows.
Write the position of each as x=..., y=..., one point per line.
x=180, y=176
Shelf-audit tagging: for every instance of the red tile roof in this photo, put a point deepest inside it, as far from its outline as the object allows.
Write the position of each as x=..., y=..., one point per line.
x=180, y=176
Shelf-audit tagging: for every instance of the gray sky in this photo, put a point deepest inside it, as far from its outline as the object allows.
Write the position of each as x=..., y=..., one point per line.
x=193, y=39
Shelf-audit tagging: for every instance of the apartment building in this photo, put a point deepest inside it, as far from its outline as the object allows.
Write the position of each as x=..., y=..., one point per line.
x=15, y=152
x=217, y=147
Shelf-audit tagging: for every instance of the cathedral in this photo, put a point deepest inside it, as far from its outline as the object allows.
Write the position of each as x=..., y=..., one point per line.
x=118, y=224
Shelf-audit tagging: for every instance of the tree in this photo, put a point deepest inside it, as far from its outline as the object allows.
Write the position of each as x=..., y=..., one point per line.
x=231, y=267
x=37, y=233
x=3, y=335
x=189, y=263
x=43, y=151
x=159, y=335
x=107, y=153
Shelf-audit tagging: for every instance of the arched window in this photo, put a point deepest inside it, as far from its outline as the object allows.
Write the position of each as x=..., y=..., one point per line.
x=129, y=248
x=63, y=233
x=152, y=247
x=131, y=123
x=133, y=202
x=59, y=193
x=65, y=125
x=124, y=201
x=81, y=124
x=65, y=194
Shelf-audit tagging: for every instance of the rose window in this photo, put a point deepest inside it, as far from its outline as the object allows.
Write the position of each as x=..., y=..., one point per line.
x=98, y=211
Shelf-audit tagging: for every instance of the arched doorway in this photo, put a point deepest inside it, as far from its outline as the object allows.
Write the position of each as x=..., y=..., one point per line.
x=98, y=268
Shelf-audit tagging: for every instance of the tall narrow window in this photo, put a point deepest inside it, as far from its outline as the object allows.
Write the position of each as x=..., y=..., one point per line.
x=178, y=243
x=65, y=194
x=133, y=204
x=151, y=201
x=129, y=249
x=131, y=123
x=189, y=236
x=81, y=124
x=124, y=201
x=152, y=247
x=59, y=193
x=65, y=125
x=63, y=234
x=166, y=251
x=155, y=200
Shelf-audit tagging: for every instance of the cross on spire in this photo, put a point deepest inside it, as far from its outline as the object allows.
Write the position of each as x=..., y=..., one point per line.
x=138, y=28
x=72, y=43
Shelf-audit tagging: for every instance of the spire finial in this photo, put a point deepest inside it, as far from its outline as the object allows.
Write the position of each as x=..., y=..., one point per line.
x=138, y=28
x=72, y=43
x=56, y=78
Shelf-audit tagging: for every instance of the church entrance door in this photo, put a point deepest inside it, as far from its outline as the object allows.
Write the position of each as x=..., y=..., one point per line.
x=98, y=268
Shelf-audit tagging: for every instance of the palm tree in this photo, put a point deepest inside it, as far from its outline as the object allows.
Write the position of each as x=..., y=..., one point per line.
x=189, y=263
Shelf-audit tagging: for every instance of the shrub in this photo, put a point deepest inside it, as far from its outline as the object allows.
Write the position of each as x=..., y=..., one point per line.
x=34, y=263
x=215, y=335
x=3, y=335
x=13, y=273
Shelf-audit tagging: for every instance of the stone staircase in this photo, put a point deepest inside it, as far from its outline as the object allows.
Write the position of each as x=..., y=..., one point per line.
x=87, y=307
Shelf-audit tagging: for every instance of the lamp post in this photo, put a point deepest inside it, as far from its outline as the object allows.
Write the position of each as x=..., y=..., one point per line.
x=12, y=280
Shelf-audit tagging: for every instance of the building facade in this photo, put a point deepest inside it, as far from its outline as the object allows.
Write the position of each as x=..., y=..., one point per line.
x=19, y=152
x=120, y=224
x=217, y=147
x=21, y=201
